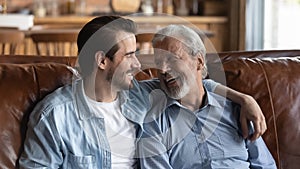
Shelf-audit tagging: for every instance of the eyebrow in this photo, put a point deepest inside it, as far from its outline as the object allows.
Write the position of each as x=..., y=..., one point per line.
x=129, y=53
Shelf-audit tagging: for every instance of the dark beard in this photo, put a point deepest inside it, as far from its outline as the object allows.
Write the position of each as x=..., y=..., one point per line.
x=110, y=75
x=119, y=84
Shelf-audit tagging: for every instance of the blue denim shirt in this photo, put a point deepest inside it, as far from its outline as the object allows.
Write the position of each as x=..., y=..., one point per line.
x=64, y=133
x=207, y=138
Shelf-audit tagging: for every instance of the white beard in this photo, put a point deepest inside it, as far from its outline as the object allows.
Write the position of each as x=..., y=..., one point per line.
x=178, y=92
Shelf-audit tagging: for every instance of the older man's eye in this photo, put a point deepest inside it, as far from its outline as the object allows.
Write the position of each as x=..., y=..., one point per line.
x=159, y=65
x=158, y=62
x=171, y=56
x=173, y=59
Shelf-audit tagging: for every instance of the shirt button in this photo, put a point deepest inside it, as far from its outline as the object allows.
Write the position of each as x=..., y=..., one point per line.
x=201, y=138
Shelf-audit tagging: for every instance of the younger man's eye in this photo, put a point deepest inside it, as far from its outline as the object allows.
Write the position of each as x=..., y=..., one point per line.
x=130, y=54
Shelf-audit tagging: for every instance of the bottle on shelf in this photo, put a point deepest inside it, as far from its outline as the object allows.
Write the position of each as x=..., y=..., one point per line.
x=182, y=9
x=196, y=7
x=159, y=6
x=147, y=7
x=39, y=8
x=80, y=7
x=3, y=7
x=53, y=8
x=70, y=7
x=168, y=7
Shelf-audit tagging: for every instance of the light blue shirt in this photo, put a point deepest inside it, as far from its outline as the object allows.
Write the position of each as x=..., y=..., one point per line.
x=63, y=132
x=208, y=138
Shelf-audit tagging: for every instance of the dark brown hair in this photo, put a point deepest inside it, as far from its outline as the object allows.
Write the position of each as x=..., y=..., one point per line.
x=100, y=34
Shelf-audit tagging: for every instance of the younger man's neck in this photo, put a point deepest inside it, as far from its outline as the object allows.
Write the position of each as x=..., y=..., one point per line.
x=99, y=90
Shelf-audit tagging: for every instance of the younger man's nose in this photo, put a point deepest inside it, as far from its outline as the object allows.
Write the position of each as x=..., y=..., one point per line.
x=136, y=63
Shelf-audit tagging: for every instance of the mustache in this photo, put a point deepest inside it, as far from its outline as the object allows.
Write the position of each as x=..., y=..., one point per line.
x=169, y=74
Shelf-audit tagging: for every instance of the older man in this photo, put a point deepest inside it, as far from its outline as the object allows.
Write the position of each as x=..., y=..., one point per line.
x=195, y=128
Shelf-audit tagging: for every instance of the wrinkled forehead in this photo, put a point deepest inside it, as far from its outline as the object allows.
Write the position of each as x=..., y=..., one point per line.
x=168, y=44
x=167, y=48
x=162, y=56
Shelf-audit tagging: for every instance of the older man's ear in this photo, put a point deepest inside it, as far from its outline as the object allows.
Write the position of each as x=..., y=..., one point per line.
x=200, y=61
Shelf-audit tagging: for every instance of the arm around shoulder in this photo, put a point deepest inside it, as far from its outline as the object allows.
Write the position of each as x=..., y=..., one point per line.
x=250, y=110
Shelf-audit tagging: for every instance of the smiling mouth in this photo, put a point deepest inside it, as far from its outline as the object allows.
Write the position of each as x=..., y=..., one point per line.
x=171, y=82
x=130, y=75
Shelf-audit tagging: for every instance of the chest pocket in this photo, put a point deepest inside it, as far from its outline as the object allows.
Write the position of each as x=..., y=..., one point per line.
x=81, y=162
x=216, y=146
x=234, y=145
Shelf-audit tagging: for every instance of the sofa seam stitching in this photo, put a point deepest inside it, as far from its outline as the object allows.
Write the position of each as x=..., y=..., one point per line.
x=37, y=82
x=273, y=111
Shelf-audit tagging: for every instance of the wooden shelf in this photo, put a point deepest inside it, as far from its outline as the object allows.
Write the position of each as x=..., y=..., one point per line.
x=79, y=20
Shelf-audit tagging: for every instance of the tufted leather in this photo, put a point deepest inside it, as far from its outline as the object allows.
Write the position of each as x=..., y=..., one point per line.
x=271, y=77
x=21, y=87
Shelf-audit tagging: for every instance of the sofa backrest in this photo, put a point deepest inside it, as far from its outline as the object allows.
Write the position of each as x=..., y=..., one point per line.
x=24, y=81
x=21, y=87
x=23, y=59
x=273, y=79
x=275, y=84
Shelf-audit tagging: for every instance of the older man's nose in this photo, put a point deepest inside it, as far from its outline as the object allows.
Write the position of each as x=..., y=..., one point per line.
x=164, y=67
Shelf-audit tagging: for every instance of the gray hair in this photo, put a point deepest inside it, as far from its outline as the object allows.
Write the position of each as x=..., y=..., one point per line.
x=186, y=36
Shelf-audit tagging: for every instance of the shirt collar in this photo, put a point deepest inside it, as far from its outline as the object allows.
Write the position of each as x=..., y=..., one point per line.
x=135, y=113
x=81, y=104
x=212, y=100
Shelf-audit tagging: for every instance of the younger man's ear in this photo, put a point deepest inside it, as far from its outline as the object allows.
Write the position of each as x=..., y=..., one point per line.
x=100, y=59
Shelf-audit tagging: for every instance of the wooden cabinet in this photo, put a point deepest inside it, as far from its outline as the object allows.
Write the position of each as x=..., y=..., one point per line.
x=225, y=19
x=215, y=26
x=234, y=11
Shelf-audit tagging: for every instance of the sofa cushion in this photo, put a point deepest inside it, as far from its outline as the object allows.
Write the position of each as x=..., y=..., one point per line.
x=21, y=87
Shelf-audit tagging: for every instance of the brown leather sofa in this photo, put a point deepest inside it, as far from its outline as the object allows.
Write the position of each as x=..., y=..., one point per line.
x=271, y=77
